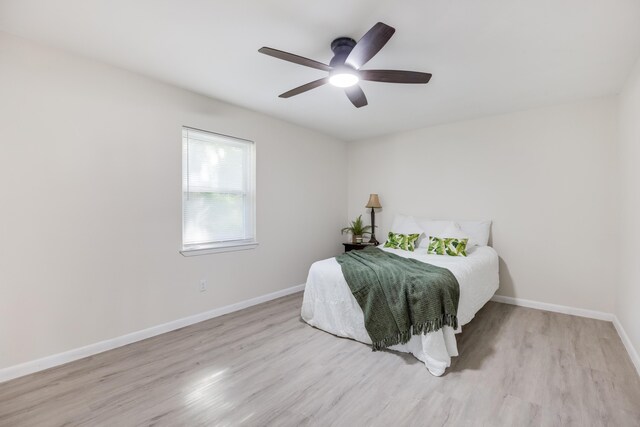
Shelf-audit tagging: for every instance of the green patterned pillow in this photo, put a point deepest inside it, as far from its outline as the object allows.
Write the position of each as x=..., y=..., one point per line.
x=447, y=245
x=406, y=242
x=456, y=246
x=436, y=246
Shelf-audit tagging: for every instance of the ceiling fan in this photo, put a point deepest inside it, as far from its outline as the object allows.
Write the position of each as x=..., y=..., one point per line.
x=344, y=68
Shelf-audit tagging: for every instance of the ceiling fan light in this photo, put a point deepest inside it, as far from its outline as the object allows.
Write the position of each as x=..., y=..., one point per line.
x=343, y=79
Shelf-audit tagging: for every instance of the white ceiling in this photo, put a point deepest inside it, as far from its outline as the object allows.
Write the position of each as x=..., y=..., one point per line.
x=486, y=57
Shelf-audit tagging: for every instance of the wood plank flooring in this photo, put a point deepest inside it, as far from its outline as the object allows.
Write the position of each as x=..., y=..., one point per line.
x=264, y=366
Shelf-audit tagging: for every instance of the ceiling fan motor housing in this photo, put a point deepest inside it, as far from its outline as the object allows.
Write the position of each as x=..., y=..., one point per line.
x=341, y=48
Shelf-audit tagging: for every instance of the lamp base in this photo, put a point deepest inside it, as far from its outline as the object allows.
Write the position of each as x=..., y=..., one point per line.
x=373, y=228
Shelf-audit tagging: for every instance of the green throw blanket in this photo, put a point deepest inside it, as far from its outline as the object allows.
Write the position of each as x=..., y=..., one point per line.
x=400, y=296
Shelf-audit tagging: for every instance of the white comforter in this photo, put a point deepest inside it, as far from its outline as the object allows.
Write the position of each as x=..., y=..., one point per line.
x=329, y=305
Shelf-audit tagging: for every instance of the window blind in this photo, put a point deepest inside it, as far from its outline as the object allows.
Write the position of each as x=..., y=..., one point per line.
x=217, y=190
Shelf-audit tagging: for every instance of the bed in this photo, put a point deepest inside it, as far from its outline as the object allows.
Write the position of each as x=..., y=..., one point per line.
x=328, y=303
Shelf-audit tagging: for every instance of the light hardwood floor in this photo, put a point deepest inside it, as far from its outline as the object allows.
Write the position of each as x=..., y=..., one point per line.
x=264, y=366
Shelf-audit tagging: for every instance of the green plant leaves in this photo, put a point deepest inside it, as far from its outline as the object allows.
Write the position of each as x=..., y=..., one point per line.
x=357, y=228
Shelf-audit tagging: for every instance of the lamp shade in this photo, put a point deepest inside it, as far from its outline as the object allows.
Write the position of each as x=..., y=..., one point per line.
x=374, y=201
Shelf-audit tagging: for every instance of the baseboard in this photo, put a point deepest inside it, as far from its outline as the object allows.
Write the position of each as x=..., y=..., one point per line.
x=564, y=309
x=27, y=368
x=633, y=353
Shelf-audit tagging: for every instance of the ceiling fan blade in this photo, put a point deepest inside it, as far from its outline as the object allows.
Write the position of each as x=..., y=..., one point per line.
x=394, y=76
x=369, y=45
x=301, y=89
x=296, y=59
x=356, y=96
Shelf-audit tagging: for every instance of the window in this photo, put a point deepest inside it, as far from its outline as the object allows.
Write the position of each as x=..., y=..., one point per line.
x=218, y=193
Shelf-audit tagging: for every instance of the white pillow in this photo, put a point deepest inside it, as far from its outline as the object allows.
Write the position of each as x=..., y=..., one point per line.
x=476, y=231
x=405, y=224
x=434, y=228
x=451, y=230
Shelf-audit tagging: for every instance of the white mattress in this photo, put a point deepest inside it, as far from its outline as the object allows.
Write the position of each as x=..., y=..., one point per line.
x=329, y=305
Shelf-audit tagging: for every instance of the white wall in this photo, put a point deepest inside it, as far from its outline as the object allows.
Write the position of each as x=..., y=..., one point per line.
x=545, y=177
x=90, y=221
x=628, y=296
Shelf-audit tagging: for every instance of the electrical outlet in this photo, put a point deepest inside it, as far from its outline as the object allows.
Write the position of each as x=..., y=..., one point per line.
x=203, y=285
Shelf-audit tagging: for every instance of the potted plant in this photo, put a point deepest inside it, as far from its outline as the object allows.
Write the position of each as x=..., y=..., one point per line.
x=357, y=230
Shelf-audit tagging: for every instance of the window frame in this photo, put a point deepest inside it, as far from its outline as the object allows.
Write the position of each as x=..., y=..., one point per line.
x=229, y=245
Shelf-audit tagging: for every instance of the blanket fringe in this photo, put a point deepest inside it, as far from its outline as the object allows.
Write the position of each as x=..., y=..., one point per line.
x=403, y=337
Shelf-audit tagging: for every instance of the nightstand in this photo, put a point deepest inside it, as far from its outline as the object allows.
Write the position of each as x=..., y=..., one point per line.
x=356, y=246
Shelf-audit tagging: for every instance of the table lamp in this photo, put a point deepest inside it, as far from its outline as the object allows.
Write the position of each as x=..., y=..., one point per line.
x=374, y=203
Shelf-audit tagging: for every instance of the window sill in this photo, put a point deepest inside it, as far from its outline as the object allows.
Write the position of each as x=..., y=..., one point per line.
x=233, y=247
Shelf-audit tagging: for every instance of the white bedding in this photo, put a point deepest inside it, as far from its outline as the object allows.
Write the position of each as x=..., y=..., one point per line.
x=329, y=305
